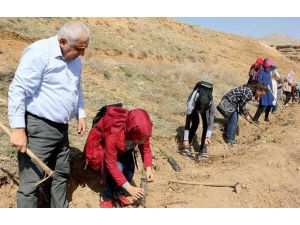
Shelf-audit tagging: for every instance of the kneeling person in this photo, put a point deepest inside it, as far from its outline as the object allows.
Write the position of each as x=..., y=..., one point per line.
x=123, y=131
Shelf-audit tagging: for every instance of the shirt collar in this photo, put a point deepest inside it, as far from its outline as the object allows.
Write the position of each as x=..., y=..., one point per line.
x=56, y=48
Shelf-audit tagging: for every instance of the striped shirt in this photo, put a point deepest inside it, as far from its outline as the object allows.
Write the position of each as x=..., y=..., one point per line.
x=239, y=97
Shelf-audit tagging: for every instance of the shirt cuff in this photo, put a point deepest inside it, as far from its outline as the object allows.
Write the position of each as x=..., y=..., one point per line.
x=208, y=133
x=16, y=121
x=125, y=184
x=81, y=114
x=186, y=135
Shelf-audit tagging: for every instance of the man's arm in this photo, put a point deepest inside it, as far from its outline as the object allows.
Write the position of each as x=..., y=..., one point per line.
x=25, y=83
x=80, y=111
x=81, y=116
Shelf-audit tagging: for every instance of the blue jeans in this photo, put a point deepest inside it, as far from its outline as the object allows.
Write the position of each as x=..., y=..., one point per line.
x=231, y=127
x=126, y=165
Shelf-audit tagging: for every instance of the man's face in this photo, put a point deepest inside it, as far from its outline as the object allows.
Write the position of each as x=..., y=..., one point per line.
x=71, y=51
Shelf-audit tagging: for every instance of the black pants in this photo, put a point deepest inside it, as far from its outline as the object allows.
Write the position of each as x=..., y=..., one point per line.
x=195, y=124
x=260, y=110
x=288, y=97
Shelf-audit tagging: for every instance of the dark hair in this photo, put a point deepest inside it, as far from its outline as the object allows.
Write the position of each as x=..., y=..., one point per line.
x=258, y=87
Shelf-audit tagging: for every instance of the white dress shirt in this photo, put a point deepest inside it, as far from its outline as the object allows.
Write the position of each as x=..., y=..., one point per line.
x=46, y=85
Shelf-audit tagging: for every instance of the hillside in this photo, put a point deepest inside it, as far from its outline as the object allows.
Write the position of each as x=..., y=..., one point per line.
x=150, y=63
x=286, y=45
x=280, y=39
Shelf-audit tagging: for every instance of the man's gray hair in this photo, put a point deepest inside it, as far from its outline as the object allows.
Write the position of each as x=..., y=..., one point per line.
x=72, y=30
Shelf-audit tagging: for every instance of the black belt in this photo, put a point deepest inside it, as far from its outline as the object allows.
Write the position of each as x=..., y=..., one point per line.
x=60, y=126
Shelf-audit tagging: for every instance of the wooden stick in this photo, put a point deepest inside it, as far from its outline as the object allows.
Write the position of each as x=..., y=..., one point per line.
x=203, y=184
x=253, y=123
x=39, y=162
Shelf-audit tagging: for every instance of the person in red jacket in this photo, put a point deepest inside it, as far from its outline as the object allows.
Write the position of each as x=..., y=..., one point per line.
x=255, y=70
x=123, y=131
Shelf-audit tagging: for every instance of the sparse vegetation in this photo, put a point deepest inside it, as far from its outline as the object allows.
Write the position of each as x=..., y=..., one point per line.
x=144, y=63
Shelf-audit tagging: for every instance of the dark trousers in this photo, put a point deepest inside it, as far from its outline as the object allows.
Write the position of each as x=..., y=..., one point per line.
x=260, y=110
x=288, y=96
x=126, y=165
x=194, y=127
x=49, y=142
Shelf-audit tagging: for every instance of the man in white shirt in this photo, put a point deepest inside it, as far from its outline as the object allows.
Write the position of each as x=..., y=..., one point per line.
x=44, y=96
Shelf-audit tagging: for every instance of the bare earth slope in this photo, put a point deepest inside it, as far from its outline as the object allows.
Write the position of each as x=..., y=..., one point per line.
x=153, y=63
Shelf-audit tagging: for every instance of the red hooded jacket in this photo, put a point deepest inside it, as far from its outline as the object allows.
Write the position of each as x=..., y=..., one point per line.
x=120, y=124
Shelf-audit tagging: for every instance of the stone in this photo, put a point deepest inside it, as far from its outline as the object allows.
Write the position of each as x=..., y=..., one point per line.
x=238, y=188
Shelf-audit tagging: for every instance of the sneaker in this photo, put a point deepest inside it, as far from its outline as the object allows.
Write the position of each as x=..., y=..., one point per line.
x=123, y=201
x=231, y=142
x=205, y=155
x=267, y=120
x=187, y=152
x=184, y=152
x=106, y=204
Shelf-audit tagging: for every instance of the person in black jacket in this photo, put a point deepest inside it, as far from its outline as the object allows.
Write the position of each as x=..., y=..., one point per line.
x=199, y=104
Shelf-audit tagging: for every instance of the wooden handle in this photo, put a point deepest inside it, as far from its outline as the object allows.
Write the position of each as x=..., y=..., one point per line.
x=39, y=162
x=253, y=123
x=202, y=184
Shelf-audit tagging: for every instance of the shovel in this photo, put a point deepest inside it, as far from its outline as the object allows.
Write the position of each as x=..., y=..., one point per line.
x=237, y=187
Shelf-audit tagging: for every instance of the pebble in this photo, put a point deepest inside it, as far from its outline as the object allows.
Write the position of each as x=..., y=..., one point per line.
x=274, y=187
x=298, y=169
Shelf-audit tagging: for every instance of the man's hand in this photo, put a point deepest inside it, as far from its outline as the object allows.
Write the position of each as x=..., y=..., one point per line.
x=149, y=174
x=185, y=144
x=18, y=139
x=81, y=128
x=135, y=192
x=207, y=141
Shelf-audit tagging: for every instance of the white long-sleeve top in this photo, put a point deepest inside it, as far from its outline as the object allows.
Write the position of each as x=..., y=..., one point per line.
x=274, y=91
